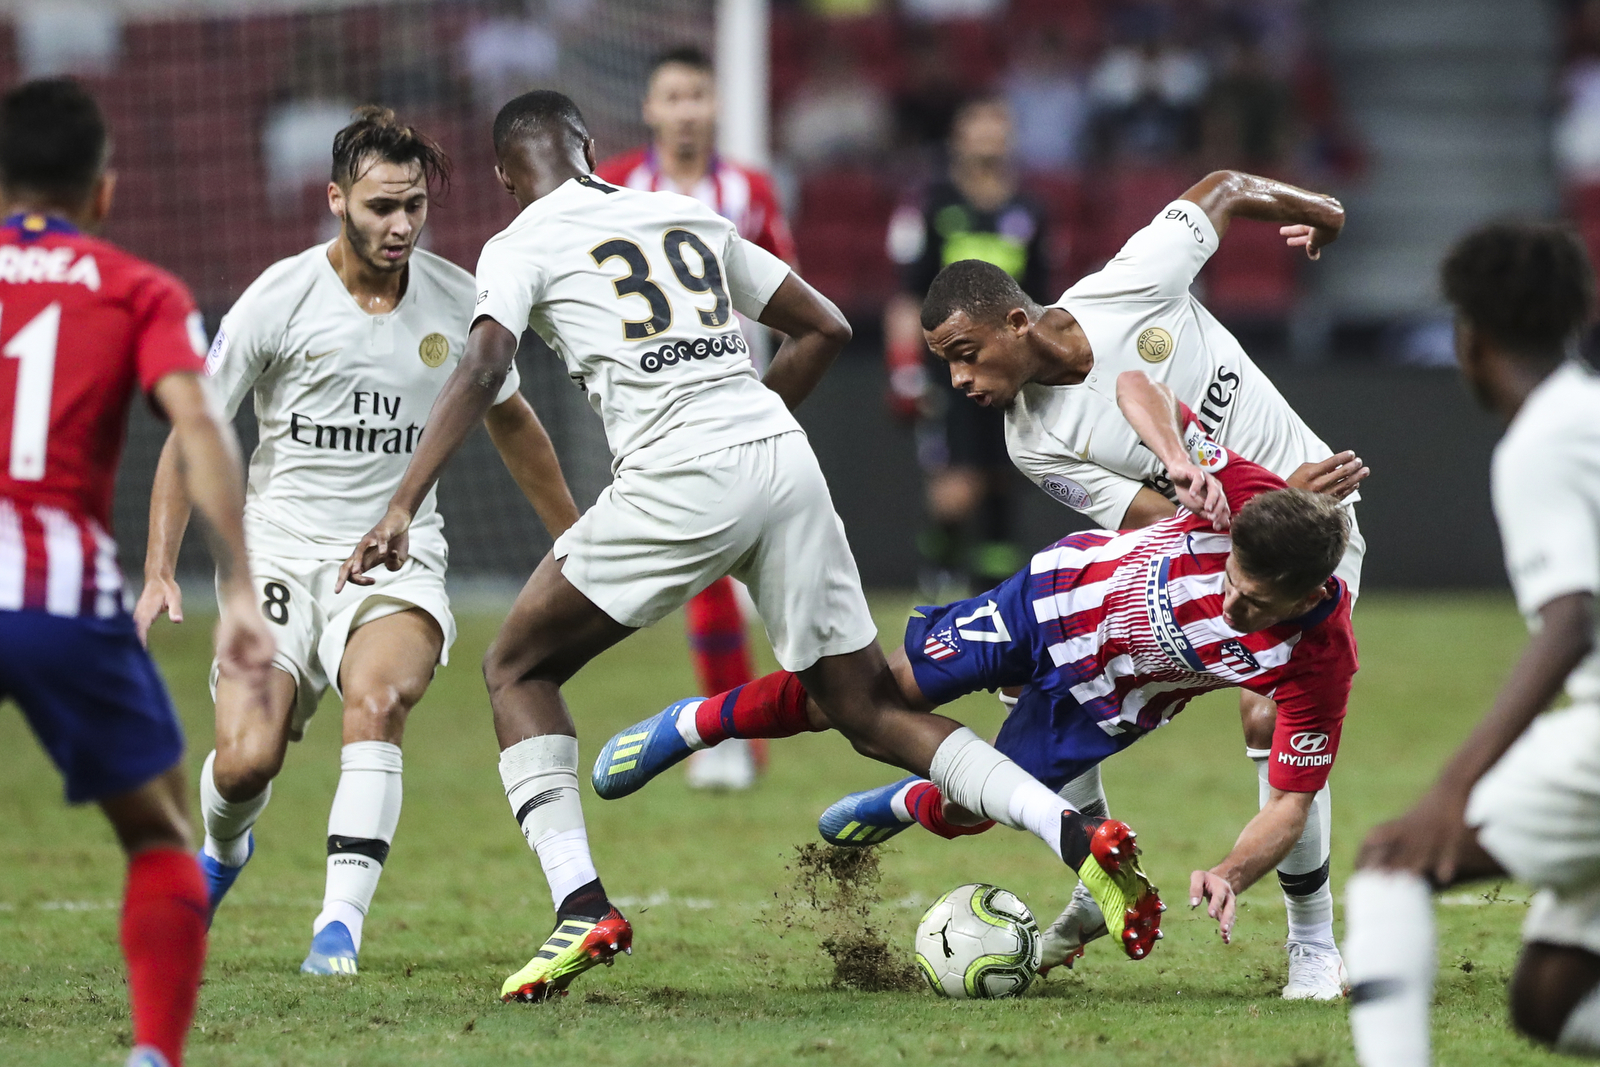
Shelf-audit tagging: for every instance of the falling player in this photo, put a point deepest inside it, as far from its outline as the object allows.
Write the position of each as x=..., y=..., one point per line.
x=1113, y=634
x=1521, y=797
x=680, y=108
x=636, y=291
x=344, y=348
x=69, y=654
x=1053, y=370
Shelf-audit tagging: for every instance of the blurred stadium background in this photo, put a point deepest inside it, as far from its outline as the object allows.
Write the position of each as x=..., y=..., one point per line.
x=1425, y=116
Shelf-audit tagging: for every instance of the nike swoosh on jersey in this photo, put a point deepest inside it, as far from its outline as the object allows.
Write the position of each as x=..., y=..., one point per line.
x=312, y=359
x=1084, y=455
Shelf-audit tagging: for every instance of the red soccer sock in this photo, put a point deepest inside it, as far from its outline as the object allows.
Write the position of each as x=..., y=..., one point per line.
x=926, y=805
x=164, y=942
x=773, y=705
x=717, y=639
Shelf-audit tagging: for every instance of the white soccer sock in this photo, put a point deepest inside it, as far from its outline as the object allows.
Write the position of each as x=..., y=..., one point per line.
x=227, y=822
x=687, y=728
x=1306, y=867
x=1389, y=950
x=1085, y=793
x=361, y=826
x=1580, y=1034
x=972, y=773
x=540, y=776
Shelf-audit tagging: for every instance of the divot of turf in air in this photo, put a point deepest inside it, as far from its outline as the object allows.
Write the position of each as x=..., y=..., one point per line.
x=832, y=896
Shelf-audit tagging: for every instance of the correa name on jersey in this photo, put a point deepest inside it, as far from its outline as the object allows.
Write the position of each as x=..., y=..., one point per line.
x=61, y=265
x=388, y=440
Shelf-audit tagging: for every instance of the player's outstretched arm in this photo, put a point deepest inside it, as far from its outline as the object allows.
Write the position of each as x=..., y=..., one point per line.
x=815, y=332
x=1152, y=410
x=1311, y=220
x=466, y=398
x=519, y=436
x=207, y=458
x=169, y=517
x=1262, y=845
x=1426, y=839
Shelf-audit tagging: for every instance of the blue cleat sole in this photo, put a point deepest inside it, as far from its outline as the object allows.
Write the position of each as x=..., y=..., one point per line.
x=639, y=753
x=865, y=818
x=220, y=877
x=333, y=951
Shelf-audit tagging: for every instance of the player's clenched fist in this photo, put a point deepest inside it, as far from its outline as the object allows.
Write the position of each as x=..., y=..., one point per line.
x=387, y=543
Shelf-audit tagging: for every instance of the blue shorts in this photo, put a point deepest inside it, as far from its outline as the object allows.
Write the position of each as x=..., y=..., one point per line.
x=992, y=641
x=92, y=695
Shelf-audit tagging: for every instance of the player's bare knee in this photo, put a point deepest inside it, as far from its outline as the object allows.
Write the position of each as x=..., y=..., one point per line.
x=1549, y=982
x=1259, y=718
x=241, y=773
x=377, y=714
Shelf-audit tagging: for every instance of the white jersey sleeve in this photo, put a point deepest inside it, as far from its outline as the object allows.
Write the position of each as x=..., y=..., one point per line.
x=250, y=334
x=509, y=285
x=754, y=274
x=1159, y=262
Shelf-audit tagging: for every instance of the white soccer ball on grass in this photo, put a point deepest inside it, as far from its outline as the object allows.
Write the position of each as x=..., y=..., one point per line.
x=978, y=942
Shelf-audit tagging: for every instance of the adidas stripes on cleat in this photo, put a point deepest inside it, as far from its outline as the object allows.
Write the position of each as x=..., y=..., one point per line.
x=333, y=951
x=867, y=818
x=572, y=948
x=1106, y=857
x=639, y=753
x=220, y=877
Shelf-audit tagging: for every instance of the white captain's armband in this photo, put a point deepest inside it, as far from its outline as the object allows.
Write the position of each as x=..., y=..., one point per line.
x=1206, y=453
x=1067, y=491
x=219, y=348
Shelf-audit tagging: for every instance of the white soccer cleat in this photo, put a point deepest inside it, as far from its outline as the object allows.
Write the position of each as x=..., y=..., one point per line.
x=1075, y=927
x=1315, y=973
x=730, y=765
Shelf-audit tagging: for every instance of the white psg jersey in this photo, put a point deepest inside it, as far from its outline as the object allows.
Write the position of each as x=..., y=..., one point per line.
x=1545, y=483
x=341, y=397
x=636, y=291
x=1138, y=314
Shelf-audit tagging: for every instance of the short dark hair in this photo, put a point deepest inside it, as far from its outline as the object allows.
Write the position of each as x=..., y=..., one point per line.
x=543, y=111
x=53, y=139
x=375, y=135
x=1527, y=286
x=981, y=289
x=1291, y=538
x=684, y=55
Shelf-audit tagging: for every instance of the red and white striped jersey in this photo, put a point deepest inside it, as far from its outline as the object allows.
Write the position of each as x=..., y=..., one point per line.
x=82, y=325
x=1132, y=625
x=742, y=195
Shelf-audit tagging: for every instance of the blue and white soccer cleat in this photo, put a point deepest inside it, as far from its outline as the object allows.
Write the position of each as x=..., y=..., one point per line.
x=220, y=877
x=639, y=753
x=333, y=951
x=870, y=817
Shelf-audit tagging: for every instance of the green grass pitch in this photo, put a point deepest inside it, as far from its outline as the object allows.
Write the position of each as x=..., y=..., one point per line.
x=716, y=977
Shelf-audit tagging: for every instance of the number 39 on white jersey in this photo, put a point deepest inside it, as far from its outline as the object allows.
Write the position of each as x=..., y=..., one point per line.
x=635, y=291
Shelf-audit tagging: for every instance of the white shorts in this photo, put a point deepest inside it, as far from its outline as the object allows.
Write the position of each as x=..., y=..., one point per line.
x=758, y=511
x=311, y=623
x=1537, y=812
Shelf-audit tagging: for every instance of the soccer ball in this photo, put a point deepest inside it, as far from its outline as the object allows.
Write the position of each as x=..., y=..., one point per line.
x=978, y=942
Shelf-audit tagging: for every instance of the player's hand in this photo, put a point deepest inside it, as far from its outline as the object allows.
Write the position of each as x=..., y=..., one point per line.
x=1201, y=494
x=1221, y=902
x=1425, y=840
x=1337, y=476
x=387, y=543
x=1312, y=238
x=158, y=595
x=245, y=645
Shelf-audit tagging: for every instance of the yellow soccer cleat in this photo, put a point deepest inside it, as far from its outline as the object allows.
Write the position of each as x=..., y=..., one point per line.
x=1107, y=860
x=574, y=946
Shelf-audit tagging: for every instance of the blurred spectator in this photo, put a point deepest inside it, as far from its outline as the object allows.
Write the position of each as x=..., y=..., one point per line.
x=1147, y=99
x=1250, y=114
x=412, y=71
x=836, y=115
x=317, y=105
x=67, y=37
x=1577, y=132
x=1046, y=92
x=507, y=54
x=935, y=10
x=976, y=212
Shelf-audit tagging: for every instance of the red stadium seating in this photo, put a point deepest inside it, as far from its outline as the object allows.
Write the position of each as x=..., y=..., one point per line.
x=840, y=229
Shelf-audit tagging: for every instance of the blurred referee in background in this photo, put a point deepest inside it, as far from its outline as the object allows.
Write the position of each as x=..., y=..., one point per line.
x=975, y=212
x=680, y=109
